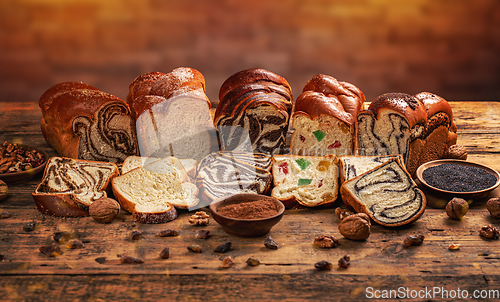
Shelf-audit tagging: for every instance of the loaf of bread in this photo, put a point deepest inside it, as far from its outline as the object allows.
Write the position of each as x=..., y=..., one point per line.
x=324, y=117
x=153, y=191
x=386, y=193
x=310, y=181
x=80, y=121
x=226, y=173
x=354, y=165
x=172, y=114
x=254, y=104
x=70, y=186
x=393, y=124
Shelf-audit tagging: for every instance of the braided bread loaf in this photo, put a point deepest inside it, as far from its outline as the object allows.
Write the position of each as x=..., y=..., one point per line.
x=80, y=121
x=255, y=104
x=324, y=117
x=172, y=114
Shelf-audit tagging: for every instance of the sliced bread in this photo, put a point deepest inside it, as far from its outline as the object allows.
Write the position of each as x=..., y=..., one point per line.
x=352, y=166
x=386, y=193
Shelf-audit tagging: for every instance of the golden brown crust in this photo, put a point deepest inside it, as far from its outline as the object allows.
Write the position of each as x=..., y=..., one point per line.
x=53, y=92
x=405, y=104
x=314, y=104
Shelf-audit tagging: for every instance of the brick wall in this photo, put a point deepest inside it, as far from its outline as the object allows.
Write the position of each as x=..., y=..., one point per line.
x=449, y=47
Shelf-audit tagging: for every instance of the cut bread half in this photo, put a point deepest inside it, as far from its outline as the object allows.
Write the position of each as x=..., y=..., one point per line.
x=386, y=193
x=310, y=181
x=352, y=166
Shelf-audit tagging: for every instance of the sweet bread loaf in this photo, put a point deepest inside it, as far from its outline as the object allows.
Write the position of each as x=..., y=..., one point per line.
x=386, y=193
x=153, y=191
x=394, y=123
x=70, y=186
x=254, y=104
x=80, y=121
x=172, y=114
x=226, y=173
x=354, y=165
x=441, y=131
x=310, y=181
x=324, y=117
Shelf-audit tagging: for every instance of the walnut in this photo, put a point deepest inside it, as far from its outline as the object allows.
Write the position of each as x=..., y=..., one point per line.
x=493, y=206
x=342, y=213
x=355, y=227
x=457, y=208
x=456, y=152
x=104, y=209
x=345, y=261
x=199, y=218
x=489, y=232
x=326, y=241
x=4, y=190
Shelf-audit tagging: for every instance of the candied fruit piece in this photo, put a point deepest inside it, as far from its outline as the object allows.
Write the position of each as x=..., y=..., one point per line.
x=319, y=135
x=302, y=138
x=335, y=145
x=284, y=168
x=323, y=166
x=303, y=163
x=304, y=181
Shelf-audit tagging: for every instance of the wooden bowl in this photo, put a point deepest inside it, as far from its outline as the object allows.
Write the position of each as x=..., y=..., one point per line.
x=451, y=194
x=245, y=227
x=19, y=177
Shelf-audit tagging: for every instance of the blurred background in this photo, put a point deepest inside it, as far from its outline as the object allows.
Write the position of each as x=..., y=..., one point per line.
x=449, y=47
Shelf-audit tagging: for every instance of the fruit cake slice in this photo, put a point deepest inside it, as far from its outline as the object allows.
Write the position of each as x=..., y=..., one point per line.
x=386, y=193
x=308, y=180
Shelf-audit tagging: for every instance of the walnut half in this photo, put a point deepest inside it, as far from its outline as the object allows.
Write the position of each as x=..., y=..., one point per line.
x=355, y=227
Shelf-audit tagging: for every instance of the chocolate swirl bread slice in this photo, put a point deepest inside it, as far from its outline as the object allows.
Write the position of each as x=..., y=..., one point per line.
x=254, y=103
x=386, y=193
x=221, y=174
x=80, y=121
x=352, y=166
x=70, y=186
x=310, y=181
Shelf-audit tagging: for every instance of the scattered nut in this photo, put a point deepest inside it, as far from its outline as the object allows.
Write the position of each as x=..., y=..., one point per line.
x=457, y=208
x=454, y=247
x=136, y=235
x=4, y=190
x=414, y=240
x=199, y=218
x=326, y=241
x=342, y=213
x=227, y=262
x=489, y=232
x=493, y=206
x=30, y=226
x=270, y=243
x=355, y=226
x=62, y=237
x=345, y=261
x=223, y=248
x=50, y=250
x=104, y=209
x=252, y=262
x=14, y=158
x=202, y=234
x=5, y=214
x=195, y=248
x=74, y=244
x=130, y=259
x=456, y=152
x=323, y=265
x=168, y=233
x=165, y=253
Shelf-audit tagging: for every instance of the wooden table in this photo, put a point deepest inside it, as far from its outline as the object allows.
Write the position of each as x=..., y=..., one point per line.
x=379, y=265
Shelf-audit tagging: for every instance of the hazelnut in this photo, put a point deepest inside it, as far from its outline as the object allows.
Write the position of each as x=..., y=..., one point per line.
x=457, y=208
x=493, y=206
x=104, y=209
x=355, y=227
x=4, y=190
x=456, y=152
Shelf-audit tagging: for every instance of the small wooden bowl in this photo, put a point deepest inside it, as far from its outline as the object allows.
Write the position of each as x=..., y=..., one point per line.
x=19, y=177
x=451, y=194
x=245, y=227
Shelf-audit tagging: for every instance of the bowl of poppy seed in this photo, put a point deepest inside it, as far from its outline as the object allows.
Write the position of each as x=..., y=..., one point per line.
x=247, y=214
x=458, y=178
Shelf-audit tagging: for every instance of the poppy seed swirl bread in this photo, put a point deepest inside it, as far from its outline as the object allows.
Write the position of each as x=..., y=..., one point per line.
x=324, y=117
x=254, y=103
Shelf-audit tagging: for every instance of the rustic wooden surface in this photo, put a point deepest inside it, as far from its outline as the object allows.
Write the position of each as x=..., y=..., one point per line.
x=94, y=273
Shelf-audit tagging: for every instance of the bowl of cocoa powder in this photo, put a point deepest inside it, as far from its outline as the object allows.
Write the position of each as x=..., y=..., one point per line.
x=247, y=215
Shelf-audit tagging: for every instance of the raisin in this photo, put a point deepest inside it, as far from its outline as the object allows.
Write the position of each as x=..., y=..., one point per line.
x=136, y=235
x=345, y=261
x=323, y=265
x=75, y=244
x=50, y=250
x=223, y=248
x=252, y=262
x=302, y=138
x=168, y=233
x=30, y=226
x=130, y=259
x=165, y=253
x=414, y=240
x=270, y=243
x=202, y=234
x=195, y=248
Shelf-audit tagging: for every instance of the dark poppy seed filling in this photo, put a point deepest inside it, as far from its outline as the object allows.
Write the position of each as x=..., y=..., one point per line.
x=459, y=178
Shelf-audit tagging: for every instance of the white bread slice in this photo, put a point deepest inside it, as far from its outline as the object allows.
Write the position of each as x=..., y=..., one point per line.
x=186, y=167
x=386, y=193
x=153, y=191
x=353, y=165
x=69, y=186
x=190, y=165
x=310, y=181
x=132, y=162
